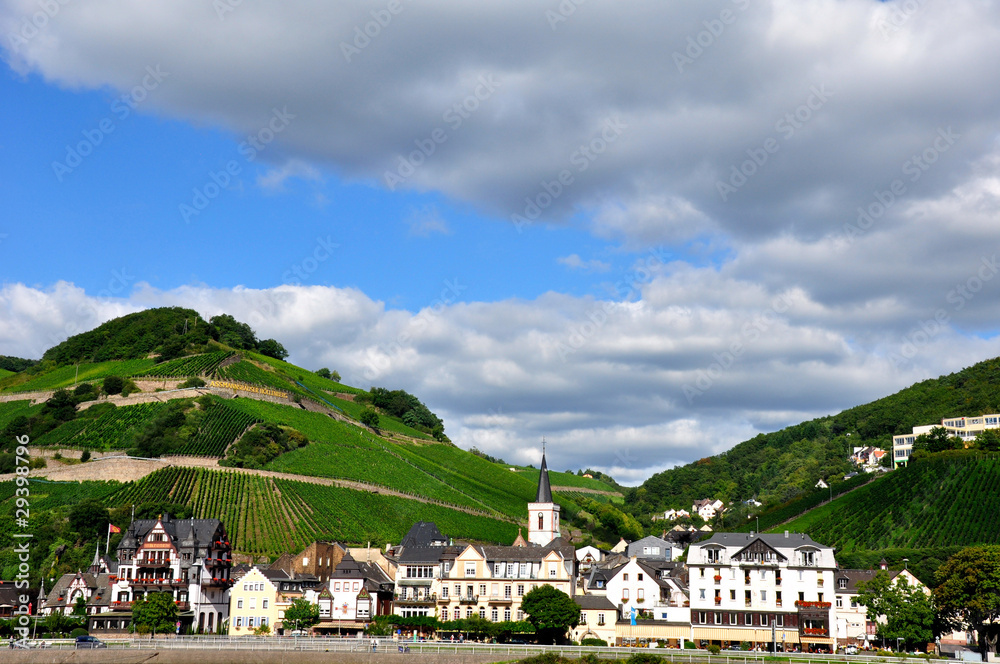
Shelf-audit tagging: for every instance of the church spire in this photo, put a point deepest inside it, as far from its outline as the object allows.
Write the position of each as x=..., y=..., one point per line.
x=544, y=494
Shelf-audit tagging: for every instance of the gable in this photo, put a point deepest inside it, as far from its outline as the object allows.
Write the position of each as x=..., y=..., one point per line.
x=758, y=551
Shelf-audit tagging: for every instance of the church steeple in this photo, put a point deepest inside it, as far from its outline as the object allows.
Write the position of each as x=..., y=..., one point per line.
x=543, y=514
x=544, y=494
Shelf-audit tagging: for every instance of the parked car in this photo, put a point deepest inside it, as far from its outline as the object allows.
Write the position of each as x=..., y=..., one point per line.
x=90, y=642
x=851, y=650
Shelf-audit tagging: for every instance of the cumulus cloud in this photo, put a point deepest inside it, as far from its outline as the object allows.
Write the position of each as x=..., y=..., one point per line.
x=574, y=262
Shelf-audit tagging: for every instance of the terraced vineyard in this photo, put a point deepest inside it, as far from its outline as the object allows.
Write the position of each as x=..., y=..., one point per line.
x=267, y=517
x=11, y=409
x=353, y=409
x=67, y=376
x=193, y=365
x=112, y=430
x=945, y=500
x=221, y=425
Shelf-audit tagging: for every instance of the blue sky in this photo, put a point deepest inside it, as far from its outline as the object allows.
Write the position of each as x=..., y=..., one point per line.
x=698, y=271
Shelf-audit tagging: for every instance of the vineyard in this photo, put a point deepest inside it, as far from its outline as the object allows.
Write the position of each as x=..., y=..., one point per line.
x=220, y=426
x=566, y=479
x=248, y=372
x=265, y=516
x=11, y=409
x=385, y=422
x=193, y=365
x=68, y=376
x=112, y=430
x=946, y=500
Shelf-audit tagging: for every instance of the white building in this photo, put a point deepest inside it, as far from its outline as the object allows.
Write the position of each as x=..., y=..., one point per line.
x=543, y=514
x=741, y=584
x=707, y=508
x=966, y=428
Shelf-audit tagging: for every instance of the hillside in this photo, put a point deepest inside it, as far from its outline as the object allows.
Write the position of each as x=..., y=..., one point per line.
x=780, y=466
x=358, y=484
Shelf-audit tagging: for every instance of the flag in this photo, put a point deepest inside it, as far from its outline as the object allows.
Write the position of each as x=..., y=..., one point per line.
x=113, y=529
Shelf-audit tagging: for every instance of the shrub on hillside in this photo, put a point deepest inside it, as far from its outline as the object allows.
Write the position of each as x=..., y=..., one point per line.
x=113, y=385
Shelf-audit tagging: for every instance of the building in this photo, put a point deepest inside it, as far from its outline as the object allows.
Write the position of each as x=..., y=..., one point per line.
x=597, y=619
x=707, y=508
x=319, y=559
x=742, y=584
x=587, y=557
x=853, y=625
x=965, y=428
x=543, y=514
x=652, y=548
x=423, y=557
x=254, y=602
x=356, y=593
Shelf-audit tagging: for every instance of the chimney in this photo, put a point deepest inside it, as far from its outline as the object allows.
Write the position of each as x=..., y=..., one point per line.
x=751, y=534
x=786, y=534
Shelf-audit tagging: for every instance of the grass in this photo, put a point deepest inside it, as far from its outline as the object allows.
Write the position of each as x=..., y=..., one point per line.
x=64, y=377
x=4, y=373
x=566, y=479
x=11, y=409
x=353, y=410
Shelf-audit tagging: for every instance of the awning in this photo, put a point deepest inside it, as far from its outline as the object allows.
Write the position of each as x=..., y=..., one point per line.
x=751, y=635
x=648, y=629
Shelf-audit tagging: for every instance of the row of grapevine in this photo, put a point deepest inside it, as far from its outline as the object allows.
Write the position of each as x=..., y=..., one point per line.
x=248, y=372
x=221, y=425
x=193, y=365
x=113, y=429
x=12, y=409
x=935, y=502
x=68, y=376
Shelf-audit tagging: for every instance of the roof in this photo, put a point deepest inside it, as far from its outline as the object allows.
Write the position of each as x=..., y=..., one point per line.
x=544, y=494
x=423, y=533
x=854, y=577
x=775, y=541
x=427, y=554
x=594, y=602
x=185, y=531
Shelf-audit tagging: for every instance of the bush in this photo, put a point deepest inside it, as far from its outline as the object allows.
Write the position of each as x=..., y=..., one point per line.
x=544, y=658
x=79, y=631
x=369, y=417
x=192, y=382
x=85, y=392
x=85, y=457
x=714, y=649
x=690, y=645
x=113, y=385
x=644, y=658
x=129, y=388
x=594, y=642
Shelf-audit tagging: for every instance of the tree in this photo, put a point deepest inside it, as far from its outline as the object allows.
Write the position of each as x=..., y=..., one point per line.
x=937, y=440
x=369, y=417
x=113, y=385
x=156, y=612
x=89, y=518
x=323, y=373
x=272, y=348
x=908, y=611
x=301, y=614
x=968, y=592
x=551, y=612
x=335, y=376
x=988, y=440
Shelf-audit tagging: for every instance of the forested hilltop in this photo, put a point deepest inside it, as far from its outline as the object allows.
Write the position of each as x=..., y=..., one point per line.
x=780, y=466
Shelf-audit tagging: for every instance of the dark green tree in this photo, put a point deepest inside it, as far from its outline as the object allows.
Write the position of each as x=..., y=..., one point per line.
x=272, y=348
x=113, y=385
x=937, y=440
x=988, y=440
x=968, y=592
x=155, y=612
x=908, y=611
x=89, y=518
x=301, y=614
x=551, y=612
x=369, y=417
x=323, y=373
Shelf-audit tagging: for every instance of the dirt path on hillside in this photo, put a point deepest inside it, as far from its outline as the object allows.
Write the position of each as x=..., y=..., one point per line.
x=129, y=469
x=576, y=489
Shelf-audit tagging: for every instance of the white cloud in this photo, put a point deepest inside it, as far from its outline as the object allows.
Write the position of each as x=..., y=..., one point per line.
x=574, y=262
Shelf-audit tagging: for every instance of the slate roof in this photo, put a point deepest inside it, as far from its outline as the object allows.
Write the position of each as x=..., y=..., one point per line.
x=430, y=555
x=202, y=531
x=854, y=577
x=544, y=494
x=423, y=533
x=594, y=602
x=776, y=541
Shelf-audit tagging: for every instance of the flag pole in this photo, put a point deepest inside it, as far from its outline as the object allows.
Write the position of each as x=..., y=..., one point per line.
x=107, y=544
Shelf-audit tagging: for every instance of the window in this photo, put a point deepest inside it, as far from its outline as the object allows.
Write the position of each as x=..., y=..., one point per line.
x=520, y=614
x=777, y=598
x=718, y=618
x=552, y=572
x=639, y=576
x=763, y=575
x=468, y=612
x=263, y=621
x=842, y=583
x=732, y=618
x=494, y=590
x=457, y=613
x=541, y=521
x=520, y=590
x=840, y=602
x=625, y=576
x=336, y=586
x=253, y=602
x=493, y=615
x=781, y=621
x=470, y=590
x=639, y=595
x=713, y=556
x=802, y=597
x=444, y=591
x=482, y=612
x=701, y=593
x=239, y=622
x=732, y=595
x=600, y=618
x=524, y=570
x=748, y=619
x=702, y=618
x=625, y=594
x=820, y=597
x=497, y=567
x=506, y=592
x=239, y=604
x=458, y=589
x=763, y=595
x=264, y=604
x=482, y=588
x=356, y=584
x=470, y=569
x=506, y=614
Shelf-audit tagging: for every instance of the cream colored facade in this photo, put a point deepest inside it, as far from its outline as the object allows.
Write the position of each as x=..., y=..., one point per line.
x=253, y=601
x=489, y=581
x=596, y=623
x=966, y=428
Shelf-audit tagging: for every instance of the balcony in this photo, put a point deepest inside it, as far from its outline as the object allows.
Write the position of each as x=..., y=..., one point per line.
x=424, y=600
x=718, y=601
x=801, y=604
x=468, y=599
x=500, y=599
x=815, y=631
x=157, y=581
x=121, y=606
x=183, y=606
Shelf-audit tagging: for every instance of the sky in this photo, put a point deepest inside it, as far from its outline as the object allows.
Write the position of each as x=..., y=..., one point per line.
x=642, y=231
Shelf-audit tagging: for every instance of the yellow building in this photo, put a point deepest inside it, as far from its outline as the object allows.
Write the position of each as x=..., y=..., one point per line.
x=255, y=600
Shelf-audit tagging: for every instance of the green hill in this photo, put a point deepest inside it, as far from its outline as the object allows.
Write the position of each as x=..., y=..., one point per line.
x=781, y=466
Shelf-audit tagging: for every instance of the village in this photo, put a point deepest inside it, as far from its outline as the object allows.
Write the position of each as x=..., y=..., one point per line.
x=735, y=590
